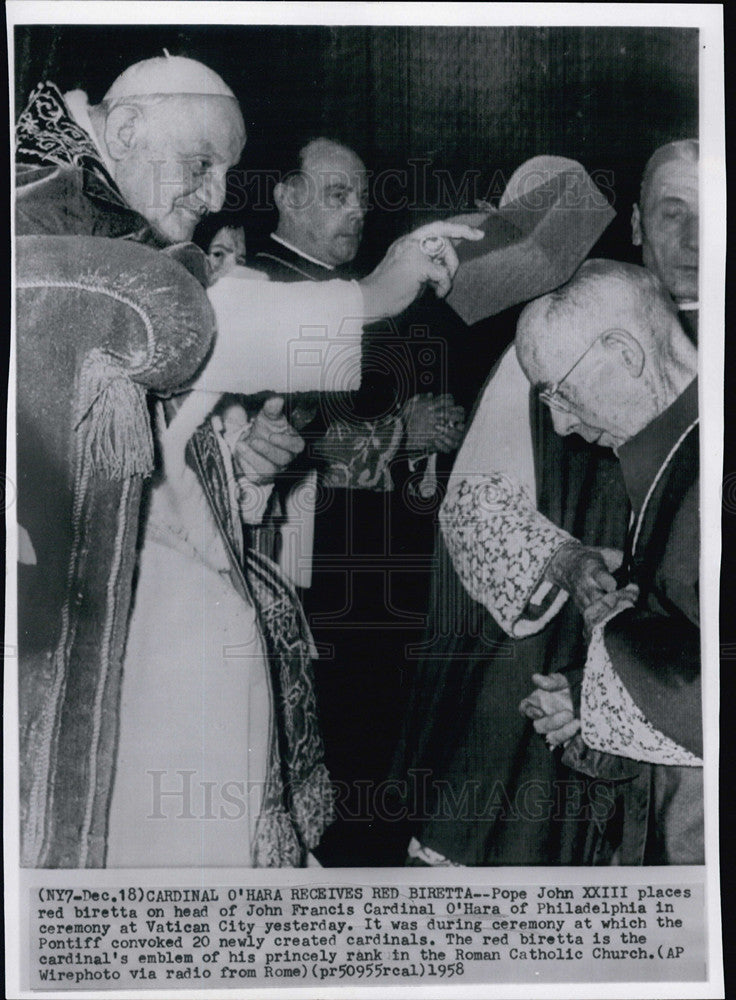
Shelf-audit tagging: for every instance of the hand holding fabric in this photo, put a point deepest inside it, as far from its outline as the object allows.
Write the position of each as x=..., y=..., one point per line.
x=584, y=572
x=609, y=605
x=550, y=706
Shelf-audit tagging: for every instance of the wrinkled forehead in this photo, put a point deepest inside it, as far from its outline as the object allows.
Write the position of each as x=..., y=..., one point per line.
x=549, y=344
x=207, y=123
x=676, y=178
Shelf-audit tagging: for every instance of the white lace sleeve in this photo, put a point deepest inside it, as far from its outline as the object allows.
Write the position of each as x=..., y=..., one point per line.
x=612, y=721
x=500, y=546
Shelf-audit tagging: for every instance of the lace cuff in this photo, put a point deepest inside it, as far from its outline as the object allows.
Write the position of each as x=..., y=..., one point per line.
x=611, y=720
x=500, y=546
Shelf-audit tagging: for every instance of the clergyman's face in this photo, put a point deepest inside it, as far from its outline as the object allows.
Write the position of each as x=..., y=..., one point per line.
x=226, y=250
x=329, y=204
x=585, y=402
x=669, y=228
x=174, y=172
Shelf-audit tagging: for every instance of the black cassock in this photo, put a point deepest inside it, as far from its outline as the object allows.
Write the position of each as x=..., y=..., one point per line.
x=482, y=788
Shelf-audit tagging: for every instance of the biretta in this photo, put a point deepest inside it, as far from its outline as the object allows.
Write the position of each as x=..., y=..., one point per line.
x=533, y=174
x=549, y=218
x=167, y=75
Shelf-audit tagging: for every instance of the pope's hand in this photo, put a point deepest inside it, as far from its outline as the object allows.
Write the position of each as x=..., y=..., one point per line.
x=425, y=256
x=271, y=444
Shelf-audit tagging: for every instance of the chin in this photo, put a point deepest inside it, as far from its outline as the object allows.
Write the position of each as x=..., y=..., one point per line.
x=683, y=285
x=344, y=253
x=175, y=229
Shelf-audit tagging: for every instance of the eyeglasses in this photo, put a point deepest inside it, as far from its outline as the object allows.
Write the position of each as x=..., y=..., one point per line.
x=550, y=394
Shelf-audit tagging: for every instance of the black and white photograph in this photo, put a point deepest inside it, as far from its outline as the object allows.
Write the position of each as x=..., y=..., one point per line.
x=356, y=486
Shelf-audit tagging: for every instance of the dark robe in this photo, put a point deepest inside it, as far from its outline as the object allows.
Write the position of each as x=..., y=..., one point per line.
x=481, y=787
x=655, y=647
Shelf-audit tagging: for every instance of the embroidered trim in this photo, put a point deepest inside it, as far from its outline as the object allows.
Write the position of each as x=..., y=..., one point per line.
x=46, y=133
x=42, y=792
x=100, y=289
x=102, y=675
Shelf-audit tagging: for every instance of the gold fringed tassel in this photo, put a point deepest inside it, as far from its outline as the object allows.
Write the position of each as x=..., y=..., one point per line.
x=113, y=417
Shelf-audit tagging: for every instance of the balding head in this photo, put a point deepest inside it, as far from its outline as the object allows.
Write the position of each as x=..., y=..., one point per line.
x=322, y=203
x=666, y=220
x=170, y=128
x=606, y=350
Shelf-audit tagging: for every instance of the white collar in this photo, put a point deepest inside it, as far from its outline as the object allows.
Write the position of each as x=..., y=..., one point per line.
x=306, y=256
x=76, y=101
x=688, y=306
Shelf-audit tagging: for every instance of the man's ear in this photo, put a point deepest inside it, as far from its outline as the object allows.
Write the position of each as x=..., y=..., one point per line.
x=628, y=349
x=122, y=130
x=636, y=238
x=280, y=196
x=289, y=195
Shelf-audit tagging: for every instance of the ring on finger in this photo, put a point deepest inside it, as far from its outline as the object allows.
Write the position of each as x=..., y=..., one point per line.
x=433, y=246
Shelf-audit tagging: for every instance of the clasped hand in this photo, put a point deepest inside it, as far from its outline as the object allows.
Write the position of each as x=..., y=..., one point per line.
x=550, y=706
x=433, y=423
x=585, y=573
x=267, y=445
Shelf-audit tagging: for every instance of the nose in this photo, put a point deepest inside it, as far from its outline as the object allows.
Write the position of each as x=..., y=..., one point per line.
x=356, y=206
x=564, y=423
x=212, y=189
x=690, y=236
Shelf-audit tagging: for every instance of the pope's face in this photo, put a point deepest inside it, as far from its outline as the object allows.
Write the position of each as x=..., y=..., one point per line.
x=174, y=170
x=329, y=205
x=669, y=228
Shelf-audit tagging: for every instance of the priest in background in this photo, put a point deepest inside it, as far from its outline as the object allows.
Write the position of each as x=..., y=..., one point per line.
x=665, y=225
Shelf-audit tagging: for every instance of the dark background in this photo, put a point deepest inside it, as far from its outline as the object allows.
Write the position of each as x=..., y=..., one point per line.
x=422, y=106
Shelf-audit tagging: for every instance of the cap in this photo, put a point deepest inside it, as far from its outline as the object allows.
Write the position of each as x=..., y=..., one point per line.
x=168, y=75
x=533, y=173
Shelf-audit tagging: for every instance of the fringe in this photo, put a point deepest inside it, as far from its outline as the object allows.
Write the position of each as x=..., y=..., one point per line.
x=113, y=417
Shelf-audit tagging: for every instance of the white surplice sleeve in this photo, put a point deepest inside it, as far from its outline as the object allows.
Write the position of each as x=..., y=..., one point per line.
x=499, y=543
x=287, y=337
x=282, y=337
x=270, y=336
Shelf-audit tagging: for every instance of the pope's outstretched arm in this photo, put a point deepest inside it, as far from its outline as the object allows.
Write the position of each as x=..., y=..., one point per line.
x=307, y=335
